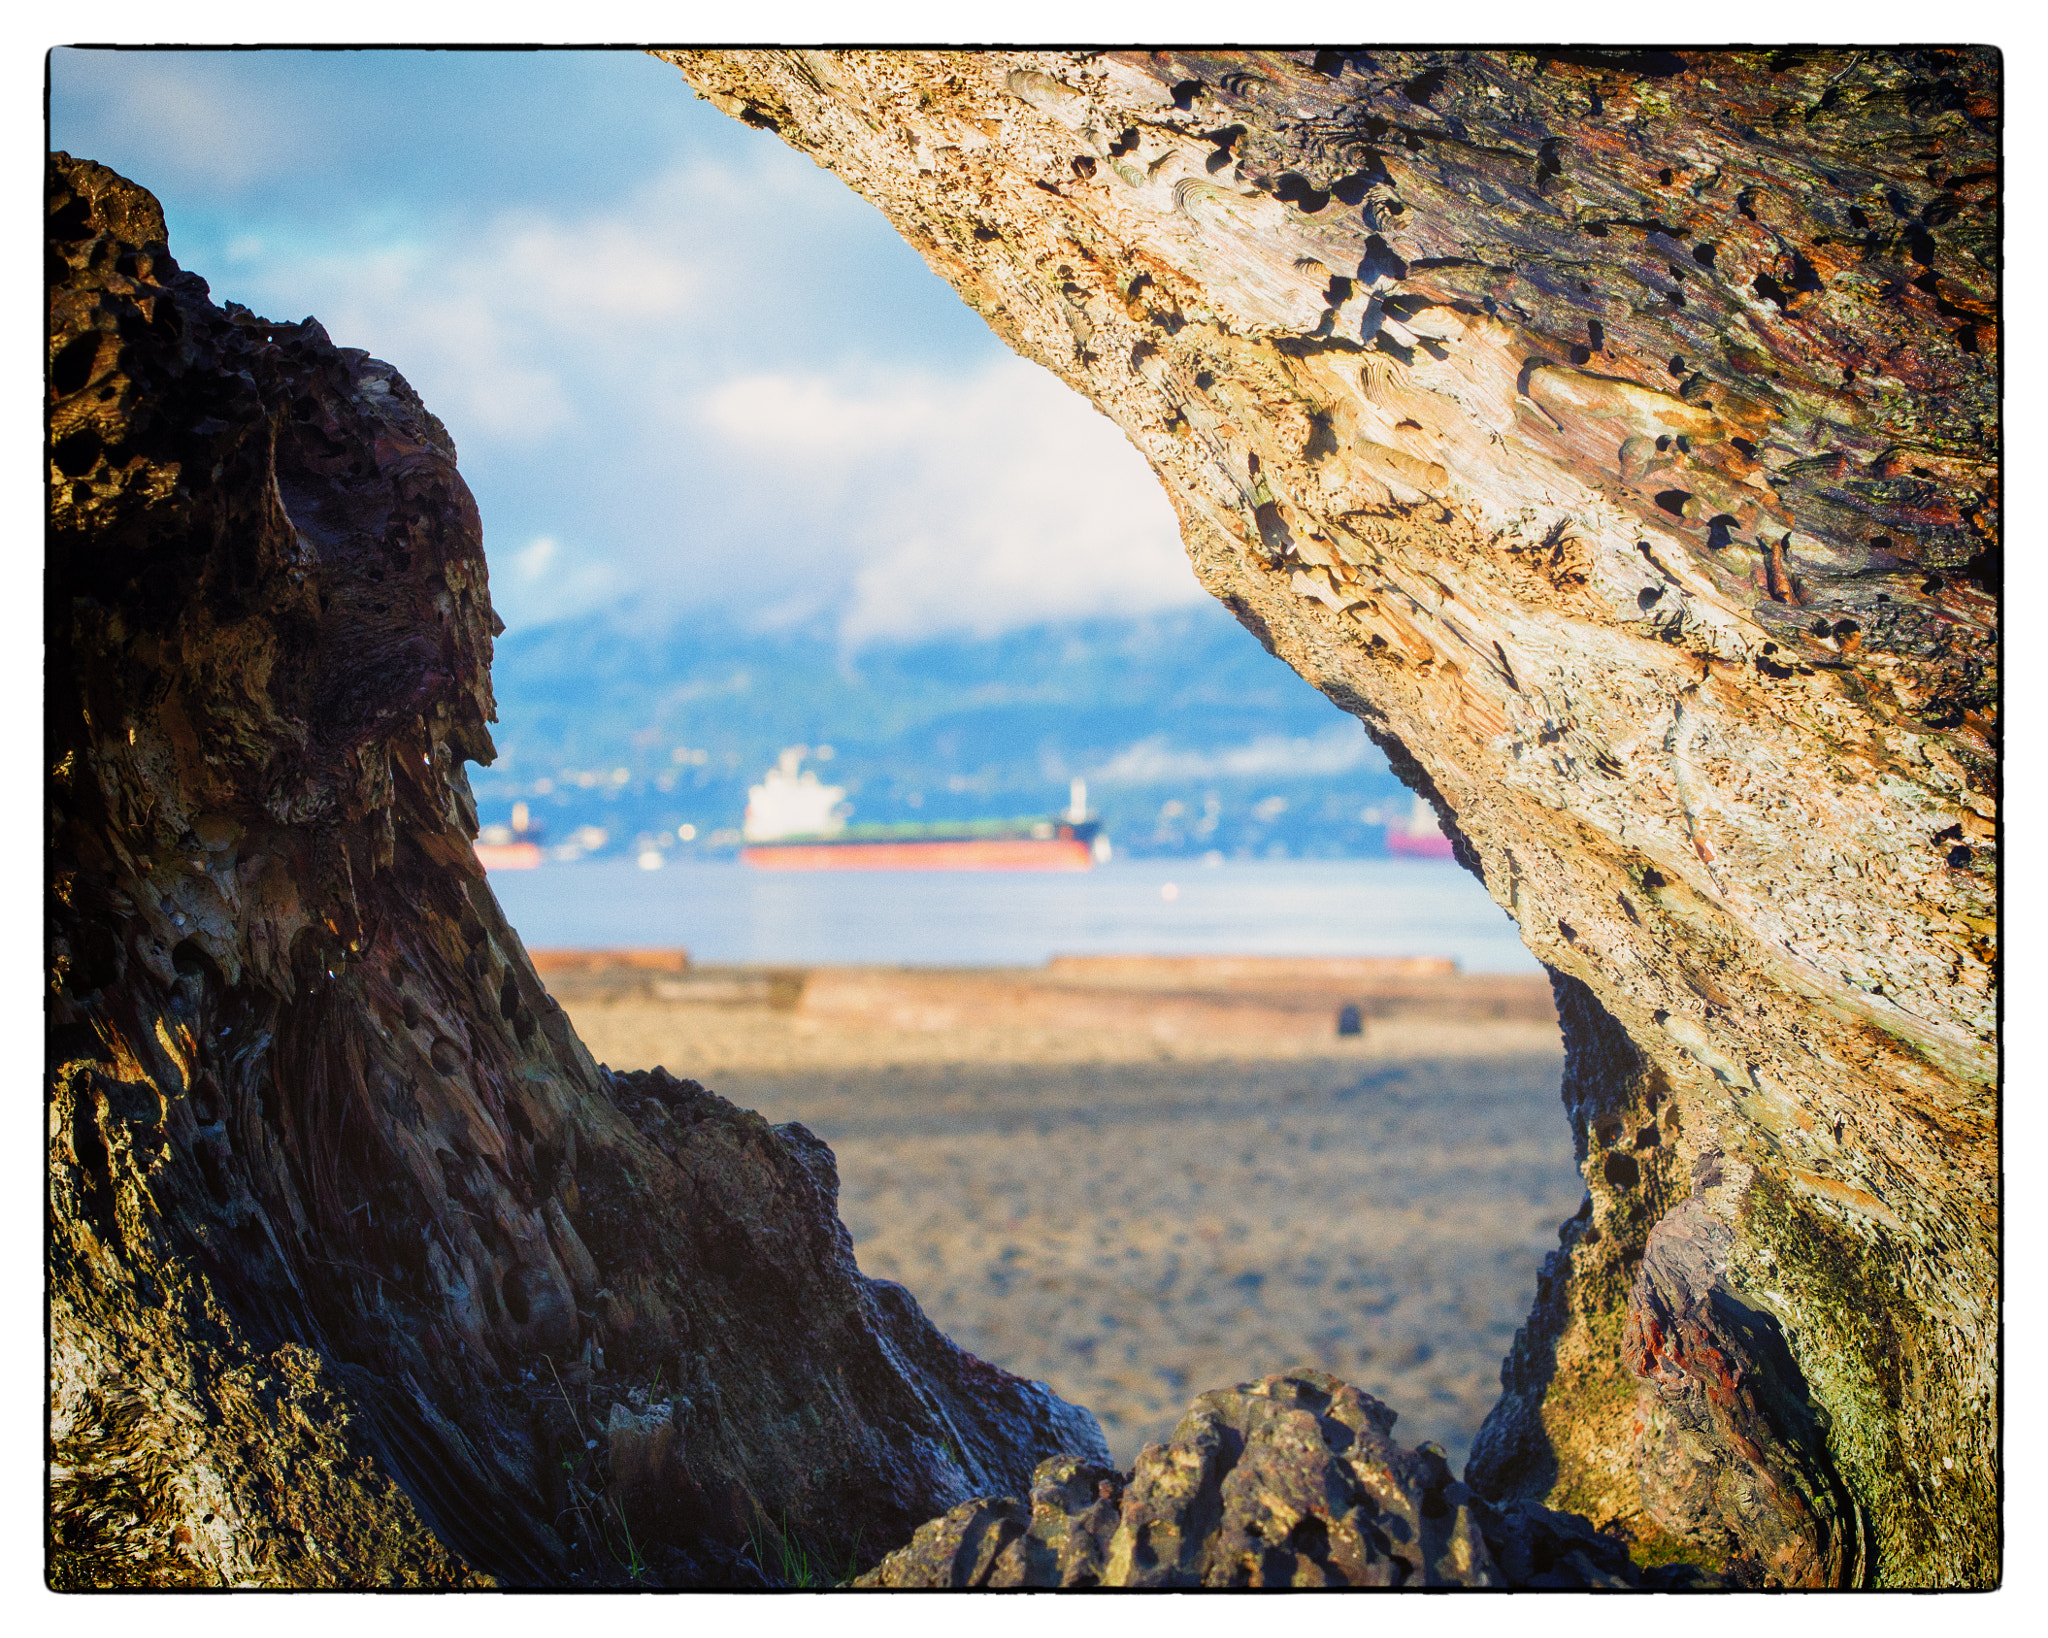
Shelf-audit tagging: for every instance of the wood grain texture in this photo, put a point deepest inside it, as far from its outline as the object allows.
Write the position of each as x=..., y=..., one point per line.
x=1616, y=435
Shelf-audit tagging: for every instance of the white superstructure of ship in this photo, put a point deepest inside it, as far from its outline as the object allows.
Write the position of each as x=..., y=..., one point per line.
x=795, y=821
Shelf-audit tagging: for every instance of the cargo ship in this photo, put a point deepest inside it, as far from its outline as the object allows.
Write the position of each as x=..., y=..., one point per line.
x=796, y=822
x=510, y=847
x=1421, y=837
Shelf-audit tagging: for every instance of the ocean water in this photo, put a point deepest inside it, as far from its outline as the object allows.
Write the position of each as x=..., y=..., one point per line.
x=725, y=913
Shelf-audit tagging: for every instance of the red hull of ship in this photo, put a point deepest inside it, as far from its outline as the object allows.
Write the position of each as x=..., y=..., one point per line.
x=1420, y=847
x=1015, y=853
x=508, y=855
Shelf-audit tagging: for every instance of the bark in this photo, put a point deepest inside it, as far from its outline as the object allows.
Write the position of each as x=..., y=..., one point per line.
x=361, y=1271
x=1614, y=434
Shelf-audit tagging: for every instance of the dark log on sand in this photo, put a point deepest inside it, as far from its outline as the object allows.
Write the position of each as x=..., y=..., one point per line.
x=348, y=1233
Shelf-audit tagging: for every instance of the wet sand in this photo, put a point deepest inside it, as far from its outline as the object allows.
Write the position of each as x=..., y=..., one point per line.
x=1134, y=1190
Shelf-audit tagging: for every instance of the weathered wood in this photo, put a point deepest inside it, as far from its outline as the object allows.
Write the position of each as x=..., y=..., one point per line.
x=348, y=1233
x=1615, y=434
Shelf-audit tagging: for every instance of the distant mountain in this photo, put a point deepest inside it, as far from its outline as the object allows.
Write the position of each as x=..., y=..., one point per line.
x=1190, y=735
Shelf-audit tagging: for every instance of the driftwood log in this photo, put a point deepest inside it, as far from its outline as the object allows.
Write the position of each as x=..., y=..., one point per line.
x=1614, y=435
x=348, y=1235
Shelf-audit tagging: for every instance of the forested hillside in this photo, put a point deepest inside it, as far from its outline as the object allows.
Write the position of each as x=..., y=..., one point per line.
x=1190, y=735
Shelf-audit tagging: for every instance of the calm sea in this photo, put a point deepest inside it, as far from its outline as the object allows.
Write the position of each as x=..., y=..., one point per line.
x=726, y=913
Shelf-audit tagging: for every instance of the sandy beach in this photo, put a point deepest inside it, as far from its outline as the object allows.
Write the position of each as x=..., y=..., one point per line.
x=1137, y=1183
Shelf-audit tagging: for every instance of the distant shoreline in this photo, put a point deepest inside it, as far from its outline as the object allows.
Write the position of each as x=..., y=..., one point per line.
x=635, y=1008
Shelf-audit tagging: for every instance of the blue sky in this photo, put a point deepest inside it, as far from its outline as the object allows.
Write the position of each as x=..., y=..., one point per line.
x=682, y=364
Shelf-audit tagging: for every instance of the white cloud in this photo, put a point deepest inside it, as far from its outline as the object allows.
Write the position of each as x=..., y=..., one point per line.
x=585, y=276
x=435, y=315
x=533, y=562
x=1338, y=749
x=530, y=324
x=544, y=575
x=980, y=502
x=625, y=373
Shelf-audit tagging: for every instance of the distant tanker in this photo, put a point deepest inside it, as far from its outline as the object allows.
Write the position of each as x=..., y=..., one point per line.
x=510, y=847
x=1421, y=837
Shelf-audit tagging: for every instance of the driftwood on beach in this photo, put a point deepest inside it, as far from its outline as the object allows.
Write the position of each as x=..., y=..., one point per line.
x=1613, y=433
x=346, y=1224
